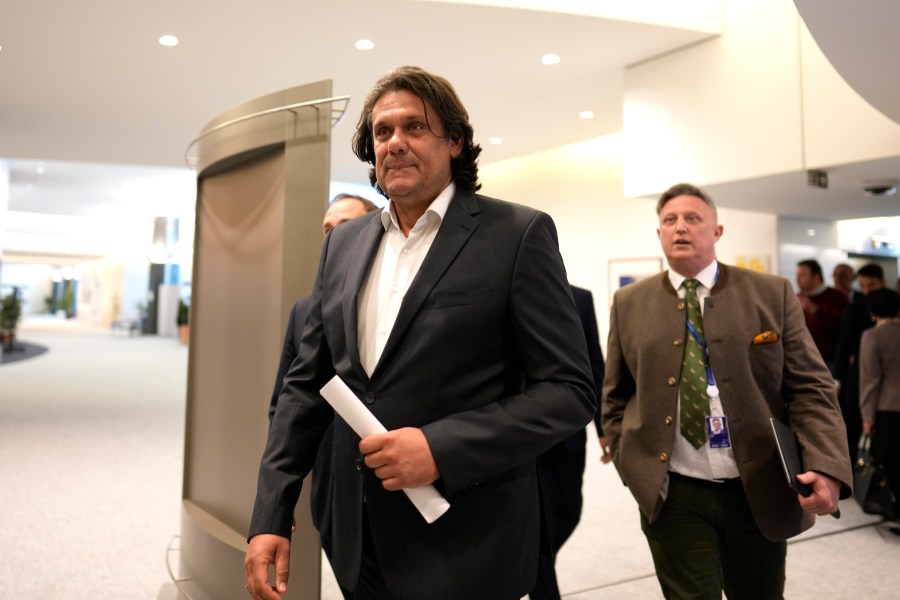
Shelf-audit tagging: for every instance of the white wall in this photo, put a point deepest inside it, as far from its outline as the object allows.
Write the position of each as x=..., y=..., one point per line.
x=580, y=186
x=34, y=282
x=760, y=99
x=839, y=126
x=723, y=110
x=4, y=204
x=809, y=238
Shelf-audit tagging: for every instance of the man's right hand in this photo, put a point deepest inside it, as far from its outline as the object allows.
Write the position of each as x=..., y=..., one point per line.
x=267, y=549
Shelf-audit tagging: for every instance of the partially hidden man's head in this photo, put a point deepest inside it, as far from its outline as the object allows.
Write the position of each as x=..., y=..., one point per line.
x=439, y=94
x=870, y=278
x=343, y=208
x=843, y=276
x=688, y=228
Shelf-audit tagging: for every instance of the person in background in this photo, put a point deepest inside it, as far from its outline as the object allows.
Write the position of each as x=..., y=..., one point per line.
x=845, y=368
x=879, y=384
x=822, y=307
x=450, y=316
x=843, y=276
x=706, y=341
x=343, y=208
x=561, y=468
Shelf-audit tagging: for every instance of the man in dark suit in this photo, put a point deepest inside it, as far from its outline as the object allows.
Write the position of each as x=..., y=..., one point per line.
x=854, y=321
x=449, y=314
x=561, y=468
x=343, y=208
x=704, y=341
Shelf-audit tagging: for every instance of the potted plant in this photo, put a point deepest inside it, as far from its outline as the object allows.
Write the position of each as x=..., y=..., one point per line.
x=182, y=320
x=68, y=301
x=10, y=312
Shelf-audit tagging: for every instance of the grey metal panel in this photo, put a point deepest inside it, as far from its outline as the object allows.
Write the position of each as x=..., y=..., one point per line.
x=262, y=194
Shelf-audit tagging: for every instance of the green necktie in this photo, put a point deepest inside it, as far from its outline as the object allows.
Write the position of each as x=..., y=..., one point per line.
x=694, y=401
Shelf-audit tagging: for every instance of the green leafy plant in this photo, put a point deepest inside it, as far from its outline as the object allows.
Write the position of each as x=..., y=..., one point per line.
x=10, y=312
x=183, y=311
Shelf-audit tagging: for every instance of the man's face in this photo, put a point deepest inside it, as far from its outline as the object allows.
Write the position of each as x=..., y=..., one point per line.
x=870, y=284
x=843, y=277
x=688, y=233
x=806, y=281
x=412, y=156
x=341, y=211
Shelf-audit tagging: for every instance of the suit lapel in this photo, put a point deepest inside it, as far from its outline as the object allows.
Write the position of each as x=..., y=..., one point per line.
x=360, y=264
x=457, y=227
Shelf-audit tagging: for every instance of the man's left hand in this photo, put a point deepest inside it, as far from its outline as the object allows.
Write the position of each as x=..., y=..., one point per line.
x=400, y=458
x=825, y=493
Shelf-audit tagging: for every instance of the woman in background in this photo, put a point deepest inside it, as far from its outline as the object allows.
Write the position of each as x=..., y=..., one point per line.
x=879, y=383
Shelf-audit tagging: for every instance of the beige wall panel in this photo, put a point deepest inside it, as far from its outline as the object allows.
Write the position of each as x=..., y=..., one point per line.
x=840, y=126
x=725, y=109
x=580, y=186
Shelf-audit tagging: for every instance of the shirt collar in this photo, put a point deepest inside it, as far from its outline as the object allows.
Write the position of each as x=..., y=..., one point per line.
x=706, y=277
x=435, y=211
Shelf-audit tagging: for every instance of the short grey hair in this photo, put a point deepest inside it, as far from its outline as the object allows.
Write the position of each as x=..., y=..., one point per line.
x=685, y=189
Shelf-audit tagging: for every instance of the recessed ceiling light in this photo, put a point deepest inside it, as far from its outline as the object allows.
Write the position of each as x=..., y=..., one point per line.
x=811, y=232
x=495, y=140
x=168, y=40
x=586, y=114
x=40, y=170
x=364, y=44
x=550, y=59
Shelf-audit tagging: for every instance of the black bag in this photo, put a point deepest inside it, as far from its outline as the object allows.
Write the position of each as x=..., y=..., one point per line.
x=870, y=487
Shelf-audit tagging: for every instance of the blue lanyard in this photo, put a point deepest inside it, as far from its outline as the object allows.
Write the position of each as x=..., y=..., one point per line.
x=711, y=389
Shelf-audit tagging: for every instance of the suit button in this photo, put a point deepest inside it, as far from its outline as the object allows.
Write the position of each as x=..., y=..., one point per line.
x=677, y=342
x=669, y=420
x=370, y=398
x=672, y=381
x=359, y=464
x=681, y=306
x=663, y=457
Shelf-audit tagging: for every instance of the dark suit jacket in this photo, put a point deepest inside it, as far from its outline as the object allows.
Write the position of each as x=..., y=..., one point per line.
x=486, y=357
x=854, y=321
x=320, y=495
x=292, y=336
x=584, y=304
x=786, y=379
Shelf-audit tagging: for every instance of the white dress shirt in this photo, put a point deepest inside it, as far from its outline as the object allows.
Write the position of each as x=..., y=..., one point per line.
x=393, y=270
x=703, y=462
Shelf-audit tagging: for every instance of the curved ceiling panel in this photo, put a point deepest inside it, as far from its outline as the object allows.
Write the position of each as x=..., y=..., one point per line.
x=858, y=38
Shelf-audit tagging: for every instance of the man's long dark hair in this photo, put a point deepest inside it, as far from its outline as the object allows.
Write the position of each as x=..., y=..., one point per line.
x=442, y=97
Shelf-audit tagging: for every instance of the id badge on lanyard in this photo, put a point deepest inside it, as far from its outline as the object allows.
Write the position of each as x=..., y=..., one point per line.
x=716, y=423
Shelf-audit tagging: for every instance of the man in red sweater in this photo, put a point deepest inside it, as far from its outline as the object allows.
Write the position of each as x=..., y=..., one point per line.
x=822, y=307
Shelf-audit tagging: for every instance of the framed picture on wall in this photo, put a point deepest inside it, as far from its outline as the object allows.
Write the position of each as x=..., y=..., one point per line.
x=623, y=271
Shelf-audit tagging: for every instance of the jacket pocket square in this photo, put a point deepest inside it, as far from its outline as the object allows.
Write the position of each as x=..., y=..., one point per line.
x=766, y=337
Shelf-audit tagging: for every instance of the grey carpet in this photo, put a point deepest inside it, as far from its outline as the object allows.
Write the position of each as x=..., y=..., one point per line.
x=91, y=449
x=21, y=351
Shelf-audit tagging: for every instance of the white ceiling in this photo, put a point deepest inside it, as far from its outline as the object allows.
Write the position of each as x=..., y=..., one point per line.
x=88, y=82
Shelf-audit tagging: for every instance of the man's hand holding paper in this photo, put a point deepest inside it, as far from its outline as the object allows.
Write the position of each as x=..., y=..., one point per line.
x=400, y=458
x=407, y=456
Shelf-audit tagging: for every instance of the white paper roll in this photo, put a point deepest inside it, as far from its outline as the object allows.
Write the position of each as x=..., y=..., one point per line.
x=426, y=499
